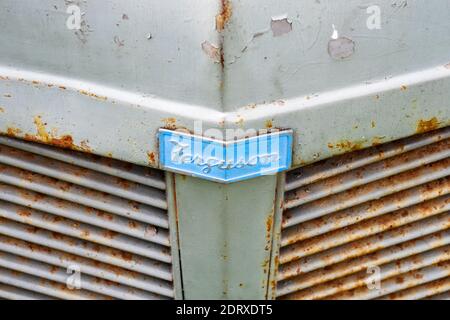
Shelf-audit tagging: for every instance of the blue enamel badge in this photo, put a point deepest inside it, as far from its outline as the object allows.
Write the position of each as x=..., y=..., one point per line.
x=225, y=161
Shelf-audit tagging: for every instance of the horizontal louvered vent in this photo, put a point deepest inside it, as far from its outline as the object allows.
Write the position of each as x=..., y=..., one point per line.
x=63, y=211
x=369, y=224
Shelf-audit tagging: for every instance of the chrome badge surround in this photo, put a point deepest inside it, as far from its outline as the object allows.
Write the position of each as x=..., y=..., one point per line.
x=225, y=161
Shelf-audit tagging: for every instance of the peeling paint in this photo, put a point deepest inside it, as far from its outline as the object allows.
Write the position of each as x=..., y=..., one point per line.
x=212, y=51
x=341, y=48
x=280, y=26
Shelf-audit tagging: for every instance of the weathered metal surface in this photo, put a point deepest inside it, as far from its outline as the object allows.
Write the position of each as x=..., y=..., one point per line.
x=400, y=282
x=83, y=177
x=83, y=196
x=431, y=289
x=357, y=159
x=226, y=238
x=109, y=166
x=387, y=271
x=245, y=69
x=47, y=287
x=368, y=192
x=442, y=296
x=13, y=293
x=380, y=257
x=48, y=226
x=386, y=207
x=59, y=275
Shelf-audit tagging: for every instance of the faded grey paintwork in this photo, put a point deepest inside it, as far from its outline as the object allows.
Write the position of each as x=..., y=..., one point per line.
x=137, y=66
x=225, y=234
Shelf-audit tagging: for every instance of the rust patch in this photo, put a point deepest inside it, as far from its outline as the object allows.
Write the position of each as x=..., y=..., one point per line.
x=377, y=140
x=170, y=123
x=93, y=95
x=427, y=125
x=403, y=88
x=2, y=110
x=346, y=145
x=23, y=213
x=42, y=136
x=269, y=224
x=224, y=16
x=268, y=124
x=12, y=132
x=151, y=158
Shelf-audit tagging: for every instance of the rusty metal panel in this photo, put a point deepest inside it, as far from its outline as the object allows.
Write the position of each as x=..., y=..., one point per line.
x=61, y=209
x=227, y=64
x=381, y=214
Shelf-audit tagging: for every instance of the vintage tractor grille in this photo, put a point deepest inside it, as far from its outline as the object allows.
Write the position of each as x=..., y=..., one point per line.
x=64, y=211
x=369, y=224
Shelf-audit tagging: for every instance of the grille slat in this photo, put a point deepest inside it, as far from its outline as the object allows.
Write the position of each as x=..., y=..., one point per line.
x=127, y=171
x=82, y=248
x=366, y=211
x=62, y=208
x=13, y=293
x=91, y=267
x=365, y=175
x=386, y=206
x=386, y=271
x=423, y=291
x=400, y=282
x=82, y=231
x=83, y=214
x=340, y=164
x=83, y=177
x=84, y=196
x=441, y=296
x=365, y=229
x=46, y=287
x=59, y=275
x=365, y=193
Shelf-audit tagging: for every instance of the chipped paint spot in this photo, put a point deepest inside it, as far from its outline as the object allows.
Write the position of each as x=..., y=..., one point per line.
x=341, y=48
x=118, y=41
x=373, y=124
x=212, y=51
x=403, y=88
x=2, y=110
x=280, y=26
x=7, y=95
x=268, y=124
x=427, y=125
x=224, y=16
